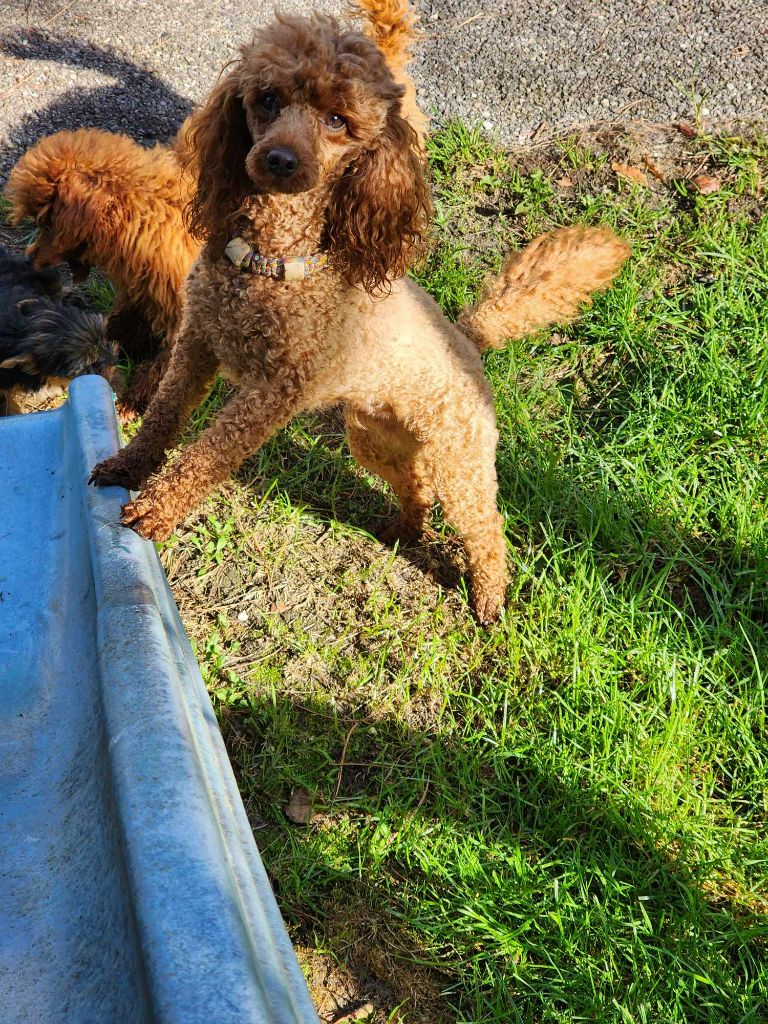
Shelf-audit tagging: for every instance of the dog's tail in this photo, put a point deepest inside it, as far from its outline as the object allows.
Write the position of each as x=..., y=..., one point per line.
x=548, y=282
x=391, y=24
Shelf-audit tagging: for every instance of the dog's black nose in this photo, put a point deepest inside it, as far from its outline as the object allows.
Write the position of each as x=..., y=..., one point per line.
x=282, y=162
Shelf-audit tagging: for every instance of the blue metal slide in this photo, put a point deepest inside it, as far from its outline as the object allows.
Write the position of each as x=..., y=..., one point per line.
x=131, y=889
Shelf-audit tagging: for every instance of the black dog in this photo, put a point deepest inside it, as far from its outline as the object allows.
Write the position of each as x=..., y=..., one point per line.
x=45, y=337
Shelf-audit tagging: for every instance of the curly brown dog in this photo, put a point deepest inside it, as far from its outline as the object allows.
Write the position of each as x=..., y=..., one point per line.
x=102, y=200
x=307, y=163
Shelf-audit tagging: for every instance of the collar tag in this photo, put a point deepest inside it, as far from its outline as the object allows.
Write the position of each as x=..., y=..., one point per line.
x=294, y=268
x=237, y=250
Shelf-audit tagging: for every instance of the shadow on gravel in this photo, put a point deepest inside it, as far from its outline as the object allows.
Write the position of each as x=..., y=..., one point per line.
x=136, y=103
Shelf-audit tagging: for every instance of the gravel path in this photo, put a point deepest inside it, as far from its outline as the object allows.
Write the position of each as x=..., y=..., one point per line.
x=137, y=65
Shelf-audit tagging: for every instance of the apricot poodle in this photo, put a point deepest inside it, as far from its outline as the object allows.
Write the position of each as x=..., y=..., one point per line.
x=312, y=202
x=100, y=199
x=103, y=200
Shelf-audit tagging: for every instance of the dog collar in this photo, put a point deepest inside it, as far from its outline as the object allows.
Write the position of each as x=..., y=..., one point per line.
x=282, y=268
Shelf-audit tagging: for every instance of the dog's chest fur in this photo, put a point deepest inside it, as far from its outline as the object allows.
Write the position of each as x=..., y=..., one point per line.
x=263, y=326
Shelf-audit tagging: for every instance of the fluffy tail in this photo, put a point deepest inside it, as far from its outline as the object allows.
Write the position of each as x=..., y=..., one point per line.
x=391, y=24
x=546, y=283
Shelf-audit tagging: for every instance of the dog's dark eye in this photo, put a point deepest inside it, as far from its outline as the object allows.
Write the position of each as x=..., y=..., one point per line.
x=335, y=122
x=270, y=103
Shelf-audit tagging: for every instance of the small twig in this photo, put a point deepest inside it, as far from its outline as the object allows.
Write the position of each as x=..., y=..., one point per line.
x=653, y=169
x=347, y=1016
x=16, y=85
x=422, y=799
x=455, y=28
x=627, y=106
x=468, y=21
x=58, y=14
x=240, y=599
x=341, y=762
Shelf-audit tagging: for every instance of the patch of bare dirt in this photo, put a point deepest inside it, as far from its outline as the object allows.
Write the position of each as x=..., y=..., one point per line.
x=663, y=159
x=376, y=969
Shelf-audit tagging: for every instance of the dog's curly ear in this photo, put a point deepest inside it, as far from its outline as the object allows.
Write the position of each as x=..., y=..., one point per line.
x=26, y=363
x=218, y=141
x=379, y=213
x=29, y=193
x=43, y=216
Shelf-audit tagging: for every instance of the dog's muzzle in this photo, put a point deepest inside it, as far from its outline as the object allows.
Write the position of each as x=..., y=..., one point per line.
x=282, y=162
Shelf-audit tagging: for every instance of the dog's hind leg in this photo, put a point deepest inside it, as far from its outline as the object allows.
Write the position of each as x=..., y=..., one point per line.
x=131, y=330
x=383, y=446
x=465, y=478
x=145, y=381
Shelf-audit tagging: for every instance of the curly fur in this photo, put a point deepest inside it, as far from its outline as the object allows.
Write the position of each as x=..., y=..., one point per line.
x=418, y=409
x=378, y=217
x=391, y=24
x=102, y=200
x=45, y=337
x=549, y=281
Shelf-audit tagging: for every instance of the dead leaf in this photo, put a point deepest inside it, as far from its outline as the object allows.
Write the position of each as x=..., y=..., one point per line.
x=686, y=130
x=564, y=182
x=706, y=184
x=632, y=173
x=299, y=807
x=653, y=168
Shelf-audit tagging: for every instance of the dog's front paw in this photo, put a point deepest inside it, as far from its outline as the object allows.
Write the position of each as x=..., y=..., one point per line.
x=147, y=517
x=120, y=470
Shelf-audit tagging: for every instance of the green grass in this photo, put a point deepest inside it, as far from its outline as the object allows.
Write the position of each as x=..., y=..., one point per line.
x=562, y=818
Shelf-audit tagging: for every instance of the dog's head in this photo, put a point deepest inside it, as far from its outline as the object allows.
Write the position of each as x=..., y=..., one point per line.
x=313, y=105
x=19, y=279
x=56, y=341
x=48, y=250
x=51, y=187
